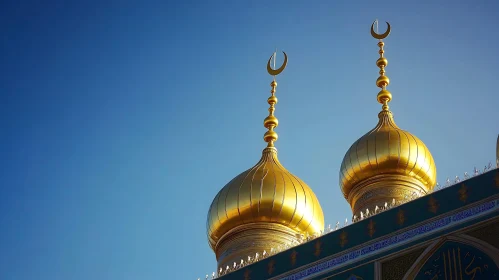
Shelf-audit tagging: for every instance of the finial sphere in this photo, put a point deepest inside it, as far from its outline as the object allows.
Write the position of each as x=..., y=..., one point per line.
x=277, y=71
x=380, y=36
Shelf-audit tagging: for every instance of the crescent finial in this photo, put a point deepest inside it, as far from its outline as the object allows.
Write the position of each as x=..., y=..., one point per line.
x=277, y=71
x=380, y=36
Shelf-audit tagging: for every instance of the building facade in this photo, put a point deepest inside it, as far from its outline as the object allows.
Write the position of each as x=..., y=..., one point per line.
x=267, y=223
x=452, y=233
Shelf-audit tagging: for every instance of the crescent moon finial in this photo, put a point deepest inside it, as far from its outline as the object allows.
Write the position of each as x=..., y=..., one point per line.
x=380, y=36
x=277, y=71
x=384, y=96
x=271, y=121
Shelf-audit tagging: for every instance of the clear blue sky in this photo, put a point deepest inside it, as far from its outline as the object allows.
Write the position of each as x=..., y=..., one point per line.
x=121, y=120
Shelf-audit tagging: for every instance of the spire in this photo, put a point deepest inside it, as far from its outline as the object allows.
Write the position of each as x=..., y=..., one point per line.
x=384, y=96
x=271, y=121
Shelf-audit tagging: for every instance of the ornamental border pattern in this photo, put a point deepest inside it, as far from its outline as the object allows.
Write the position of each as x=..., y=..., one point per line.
x=394, y=241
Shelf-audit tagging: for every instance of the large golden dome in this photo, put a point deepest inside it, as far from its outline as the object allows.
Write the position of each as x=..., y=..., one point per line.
x=387, y=162
x=264, y=207
x=265, y=204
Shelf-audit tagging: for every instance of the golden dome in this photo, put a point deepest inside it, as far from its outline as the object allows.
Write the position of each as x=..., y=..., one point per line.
x=387, y=162
x=264, y=207
x=267, y=204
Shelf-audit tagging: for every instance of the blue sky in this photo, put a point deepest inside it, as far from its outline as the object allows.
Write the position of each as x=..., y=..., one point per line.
x=121, y=120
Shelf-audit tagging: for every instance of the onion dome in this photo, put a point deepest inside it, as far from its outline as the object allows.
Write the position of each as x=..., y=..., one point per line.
x=387, y=163
x=262, y=208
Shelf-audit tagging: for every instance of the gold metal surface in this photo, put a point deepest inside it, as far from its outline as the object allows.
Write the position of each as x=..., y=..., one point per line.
x=387, y=162
x=380, y=36
x=293, y=257
x=401, y=217
x=264, y=207
x=277, y=71
x=343, y=239
x=271, y=267
x=271, y=121
x=371, y=228
x=497, y=152
x=267, y=192
x=247, y=274
x=463, y=193
x=318, y=248
x=433, y=205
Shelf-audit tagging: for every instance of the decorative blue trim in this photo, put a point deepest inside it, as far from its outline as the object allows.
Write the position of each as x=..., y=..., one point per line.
x=397, y=240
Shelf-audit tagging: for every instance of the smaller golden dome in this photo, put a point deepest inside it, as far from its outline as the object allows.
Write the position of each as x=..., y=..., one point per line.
x=386, y=163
